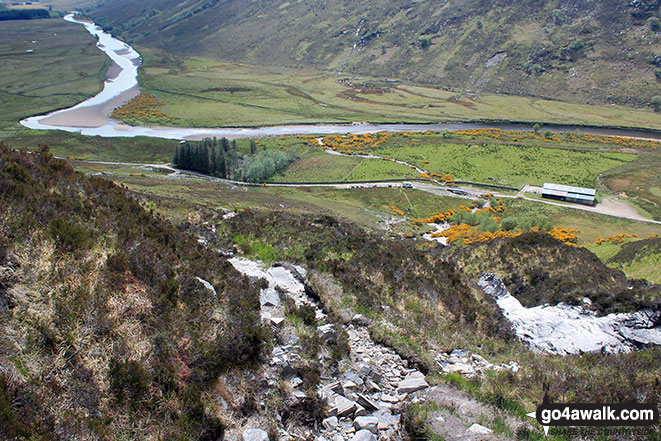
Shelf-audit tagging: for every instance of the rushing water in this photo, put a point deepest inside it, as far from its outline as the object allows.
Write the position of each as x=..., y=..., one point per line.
x=90, y=116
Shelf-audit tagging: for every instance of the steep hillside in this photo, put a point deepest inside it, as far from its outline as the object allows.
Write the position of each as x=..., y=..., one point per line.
x=117, y=324
x=102, y=316
x=583, y=51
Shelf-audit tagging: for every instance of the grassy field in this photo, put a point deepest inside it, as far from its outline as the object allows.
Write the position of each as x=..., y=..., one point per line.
x=509, y=165
x=510, y=162
x=64, y=68
x=317, y=165
x=206, y=93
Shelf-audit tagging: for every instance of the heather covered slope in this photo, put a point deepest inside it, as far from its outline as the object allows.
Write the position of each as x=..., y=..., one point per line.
x=594, y=52
x=107, y=333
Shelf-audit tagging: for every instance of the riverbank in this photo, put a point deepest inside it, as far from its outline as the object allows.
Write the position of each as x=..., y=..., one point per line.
x=91, y=116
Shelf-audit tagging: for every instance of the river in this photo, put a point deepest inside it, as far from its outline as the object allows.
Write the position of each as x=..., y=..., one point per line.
x=91, y=117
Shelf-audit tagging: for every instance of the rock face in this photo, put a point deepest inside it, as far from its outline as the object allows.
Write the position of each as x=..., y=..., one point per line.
x=255, y=435
x=564, y=329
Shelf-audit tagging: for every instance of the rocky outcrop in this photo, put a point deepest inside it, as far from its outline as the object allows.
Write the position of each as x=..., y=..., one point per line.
x=565, y=329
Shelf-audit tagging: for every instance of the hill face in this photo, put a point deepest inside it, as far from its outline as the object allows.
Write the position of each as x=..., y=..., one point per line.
x=102, y=315
x=583, y=51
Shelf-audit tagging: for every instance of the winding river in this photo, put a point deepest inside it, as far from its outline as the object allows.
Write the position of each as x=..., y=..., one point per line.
x=91, y=117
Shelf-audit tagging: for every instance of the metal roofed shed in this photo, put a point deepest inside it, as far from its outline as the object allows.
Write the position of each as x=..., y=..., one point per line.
x=568, y=193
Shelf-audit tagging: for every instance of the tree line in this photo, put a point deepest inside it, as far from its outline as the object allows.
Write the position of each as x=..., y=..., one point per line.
x=23, y=14
x=222, y=159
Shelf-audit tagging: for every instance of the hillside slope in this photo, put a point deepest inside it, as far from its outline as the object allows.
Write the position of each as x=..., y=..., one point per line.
x=582, y=51
x=103, y=319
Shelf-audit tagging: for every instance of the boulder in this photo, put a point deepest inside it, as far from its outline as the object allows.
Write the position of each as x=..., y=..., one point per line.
x=413, y=382
x=366, y=402
x=480, y=430
x=255, y=435
x=366, y=422
x=389, y=398
x=344, y=406
x=330, y=423
x=327, y=332
x=269, y=297
x=363, y=435
x=360, y=320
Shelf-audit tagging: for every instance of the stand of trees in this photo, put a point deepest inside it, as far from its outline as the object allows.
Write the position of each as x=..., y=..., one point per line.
x=220, y=158
x=23, y=14
x=209, y=156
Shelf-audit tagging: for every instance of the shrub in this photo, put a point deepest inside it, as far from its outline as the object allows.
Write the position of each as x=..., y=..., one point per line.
x=656, y=102
x=127, y=379
x=69, y=236
x=509, y=223
x=655, y=24
x=424, y=42
x=263, y=165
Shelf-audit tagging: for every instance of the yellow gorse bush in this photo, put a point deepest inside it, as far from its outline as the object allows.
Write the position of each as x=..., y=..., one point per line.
x=144, y=107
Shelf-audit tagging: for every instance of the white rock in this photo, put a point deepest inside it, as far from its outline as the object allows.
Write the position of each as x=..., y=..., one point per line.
x=413, y=382
x=481, y=430
x=366, y=422
x=564, y=329
x=330, y=423
x=349, y=385
x=344, y=406
x=255, y=435
x=462, y=368
x=363, y=435
x=269, y=297
x=389, y=398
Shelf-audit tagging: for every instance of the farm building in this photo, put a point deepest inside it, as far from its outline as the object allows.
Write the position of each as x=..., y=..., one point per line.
x=580, y=195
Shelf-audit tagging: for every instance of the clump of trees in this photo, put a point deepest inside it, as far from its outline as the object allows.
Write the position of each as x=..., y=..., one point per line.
x=209, y=156
x=23, y=14
x=221, y=158
x=263, y=165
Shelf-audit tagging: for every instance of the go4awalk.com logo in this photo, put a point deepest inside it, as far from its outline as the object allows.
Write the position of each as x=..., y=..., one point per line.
x=595, y=415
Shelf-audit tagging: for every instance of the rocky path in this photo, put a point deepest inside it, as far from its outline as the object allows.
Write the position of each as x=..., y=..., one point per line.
x=366, y=393
x=367, y=399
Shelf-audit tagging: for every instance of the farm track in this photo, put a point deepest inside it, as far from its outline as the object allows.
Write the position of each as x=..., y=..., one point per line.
x=435, y=188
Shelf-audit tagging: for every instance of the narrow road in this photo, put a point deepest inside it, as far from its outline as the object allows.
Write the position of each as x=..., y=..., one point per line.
x=433, y=188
